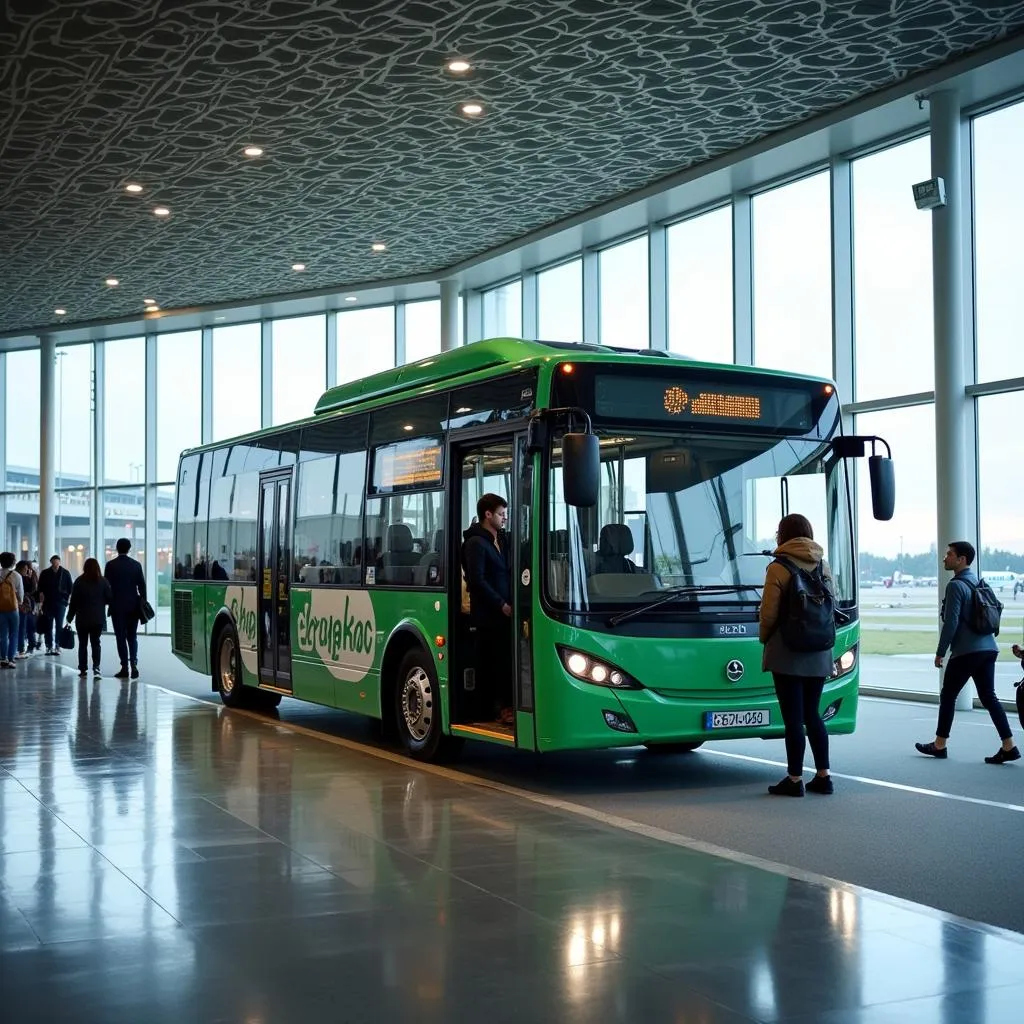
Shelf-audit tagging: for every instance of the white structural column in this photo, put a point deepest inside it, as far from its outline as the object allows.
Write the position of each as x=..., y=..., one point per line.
x=742, y=281
x=657, y=285
x=48, y=413
x=450, y=315
x=947, y=290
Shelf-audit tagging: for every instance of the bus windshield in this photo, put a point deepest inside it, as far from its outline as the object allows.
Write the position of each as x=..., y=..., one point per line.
x=696, y=514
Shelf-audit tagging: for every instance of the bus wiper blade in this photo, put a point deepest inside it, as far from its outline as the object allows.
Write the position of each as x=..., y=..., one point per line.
x=675, y=593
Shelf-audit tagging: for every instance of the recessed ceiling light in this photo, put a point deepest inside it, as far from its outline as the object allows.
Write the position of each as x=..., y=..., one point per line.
x=60, y=312
x=458, y=67
x=379, y=247
x=133, y=187
x=472, y=109
x=162, y=211
x=218, y=318
x=149, y=302
x=298, y=267
x=408, y=426
x=153, y=309
x=253, y=151
x=351, y=298
x=112, y=282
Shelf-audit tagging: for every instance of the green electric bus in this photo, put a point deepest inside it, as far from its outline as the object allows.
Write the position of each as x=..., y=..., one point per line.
x=322, y=559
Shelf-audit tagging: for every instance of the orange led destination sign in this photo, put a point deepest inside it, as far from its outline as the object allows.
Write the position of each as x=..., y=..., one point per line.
x=769, y=406
x=408, y=464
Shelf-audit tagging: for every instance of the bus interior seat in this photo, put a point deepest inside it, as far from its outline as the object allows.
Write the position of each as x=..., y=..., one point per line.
x=616, y=542
x=431, y=559
x=399, y=555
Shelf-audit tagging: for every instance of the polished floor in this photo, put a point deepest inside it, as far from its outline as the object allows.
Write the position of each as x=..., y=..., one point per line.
x=165, y=860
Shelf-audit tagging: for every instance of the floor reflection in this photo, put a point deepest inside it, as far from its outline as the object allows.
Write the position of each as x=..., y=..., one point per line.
x=164, y=859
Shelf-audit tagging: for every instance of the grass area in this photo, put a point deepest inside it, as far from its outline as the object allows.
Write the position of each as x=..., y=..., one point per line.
x=897, y=641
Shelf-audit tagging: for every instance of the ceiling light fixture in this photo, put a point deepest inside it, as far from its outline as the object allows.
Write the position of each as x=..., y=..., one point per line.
x=351, y=298
x=149, y=302
x=298, y=267
x=472, y=109
x=253, y=151
x=133, y=187
x=60, y=312
x=153, y=309
x=458, y=67
x=379, y=247
x=112, y=282
x=219, y=318
x=162, y=211
x=408, y=426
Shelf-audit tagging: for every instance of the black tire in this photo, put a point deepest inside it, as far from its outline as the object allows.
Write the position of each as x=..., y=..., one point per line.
x=227, y=669
x=418, y=710
x=673, y=748
x=264, y=700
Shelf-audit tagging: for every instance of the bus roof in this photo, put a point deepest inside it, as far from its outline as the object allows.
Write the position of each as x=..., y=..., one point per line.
x=496, y=354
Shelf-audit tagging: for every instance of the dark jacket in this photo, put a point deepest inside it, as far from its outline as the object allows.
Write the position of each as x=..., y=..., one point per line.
x=89, y=601
x=488, y=576
x=128, y=586
x=31, y=585
x=54, y=587
x=956, y=609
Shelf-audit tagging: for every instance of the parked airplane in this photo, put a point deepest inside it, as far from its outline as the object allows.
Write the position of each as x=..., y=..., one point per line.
x=1001, y=580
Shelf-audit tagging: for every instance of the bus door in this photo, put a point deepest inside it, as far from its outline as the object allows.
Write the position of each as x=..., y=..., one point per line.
x=274, y=569
x=496, y=465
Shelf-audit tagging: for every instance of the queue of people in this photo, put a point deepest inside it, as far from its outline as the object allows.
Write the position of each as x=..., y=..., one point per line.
x=43, y=603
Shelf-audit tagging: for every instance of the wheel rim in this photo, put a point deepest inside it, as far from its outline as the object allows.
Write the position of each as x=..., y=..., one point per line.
x=417, y=703
x=227, y=665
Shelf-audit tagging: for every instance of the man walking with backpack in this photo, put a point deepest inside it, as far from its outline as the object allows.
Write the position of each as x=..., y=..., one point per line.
x=970, y=623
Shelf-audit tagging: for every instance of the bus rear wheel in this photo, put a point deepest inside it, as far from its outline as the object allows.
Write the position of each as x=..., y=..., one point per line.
x=227, y=669
x=418, y=710
x=673, y=748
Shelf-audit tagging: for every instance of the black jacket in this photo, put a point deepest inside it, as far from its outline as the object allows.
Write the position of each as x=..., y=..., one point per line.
x=54, y=587
x=488, y=576
x=127, y=585
x=89, y=601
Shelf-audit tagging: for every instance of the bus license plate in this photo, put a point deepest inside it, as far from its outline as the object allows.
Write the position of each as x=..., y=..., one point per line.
x=753, y=719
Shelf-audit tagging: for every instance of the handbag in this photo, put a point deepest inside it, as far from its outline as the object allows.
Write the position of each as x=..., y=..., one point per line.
x=145, y=610
x=66, y=638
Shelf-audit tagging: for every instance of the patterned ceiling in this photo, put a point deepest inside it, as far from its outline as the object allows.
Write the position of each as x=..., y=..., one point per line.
x=584, y=101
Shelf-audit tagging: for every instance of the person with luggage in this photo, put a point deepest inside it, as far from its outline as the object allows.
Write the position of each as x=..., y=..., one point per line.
x=797, y=628
x=27, y=641
x=128, y=589
x=12, y=593
x=970, y=622
x=54, y=594
x=90, y=599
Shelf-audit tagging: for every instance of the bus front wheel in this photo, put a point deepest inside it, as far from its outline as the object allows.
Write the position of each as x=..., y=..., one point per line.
x=418, y=710
x=673, y=748
x=227, y=668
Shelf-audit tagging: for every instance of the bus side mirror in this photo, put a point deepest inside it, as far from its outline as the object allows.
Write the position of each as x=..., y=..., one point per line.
x=883, y=486
x=581, y=469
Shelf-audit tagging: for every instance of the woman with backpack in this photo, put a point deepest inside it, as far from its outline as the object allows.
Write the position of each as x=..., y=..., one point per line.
x=12, y=593
x=27, y=641
x=799, y=670
x=90, y=599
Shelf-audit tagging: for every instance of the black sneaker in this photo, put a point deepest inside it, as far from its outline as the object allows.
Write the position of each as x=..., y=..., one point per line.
x=123, y=674
x=135, y=671
x=97, y=674
x=787, y=787
x=82, y=673
x=1002, y=756
x=821, y=784
x=931, y=750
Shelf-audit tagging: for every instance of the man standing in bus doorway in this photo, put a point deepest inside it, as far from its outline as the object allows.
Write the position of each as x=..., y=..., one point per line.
x=973, y=656
x=128, y=591
x=485, y=559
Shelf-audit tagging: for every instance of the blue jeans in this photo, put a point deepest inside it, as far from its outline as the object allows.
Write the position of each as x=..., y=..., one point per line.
x=126, y=633
x=54, y=616
x=9, y=623
x=26, y=631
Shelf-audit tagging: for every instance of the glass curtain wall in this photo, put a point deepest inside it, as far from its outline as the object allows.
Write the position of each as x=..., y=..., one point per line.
x=560, y=302
x=625, y=294
x=503, y=311
x=299, y=353
x=366, y=342
x=422, y=330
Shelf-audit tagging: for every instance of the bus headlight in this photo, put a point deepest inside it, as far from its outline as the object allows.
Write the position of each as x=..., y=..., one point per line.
x=592, y=670
x=844, y=663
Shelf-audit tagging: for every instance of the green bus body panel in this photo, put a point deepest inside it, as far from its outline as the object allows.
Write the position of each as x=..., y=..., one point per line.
x=683, y=679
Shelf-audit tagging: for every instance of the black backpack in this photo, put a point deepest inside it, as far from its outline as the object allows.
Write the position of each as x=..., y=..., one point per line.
x=985, y=609
x=807, y=617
